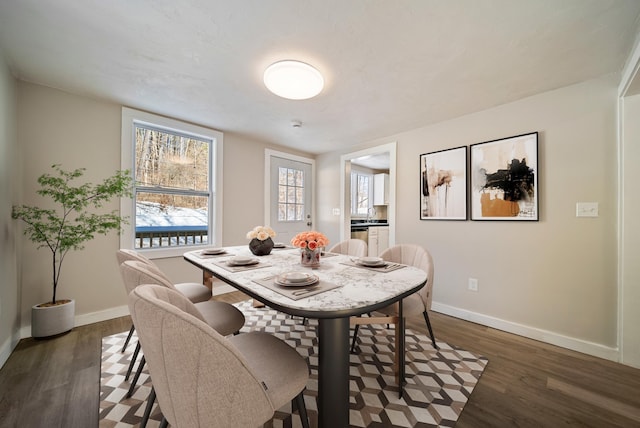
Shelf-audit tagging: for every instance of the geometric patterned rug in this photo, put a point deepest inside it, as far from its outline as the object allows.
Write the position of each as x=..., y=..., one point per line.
x=438, y=382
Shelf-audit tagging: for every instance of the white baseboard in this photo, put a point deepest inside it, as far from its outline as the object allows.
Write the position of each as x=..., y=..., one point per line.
x=8, y=346
x=107, y=314
x=90, y=318
x=545, y=336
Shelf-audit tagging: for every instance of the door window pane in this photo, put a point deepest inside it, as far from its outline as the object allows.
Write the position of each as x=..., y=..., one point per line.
x=290, y=194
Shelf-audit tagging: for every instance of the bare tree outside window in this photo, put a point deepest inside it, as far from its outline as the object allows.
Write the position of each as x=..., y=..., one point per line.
x=361, y=193
x=171, y=188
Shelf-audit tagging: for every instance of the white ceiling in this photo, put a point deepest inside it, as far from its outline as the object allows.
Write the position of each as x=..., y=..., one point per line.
x=389, y=66
x=380, y=161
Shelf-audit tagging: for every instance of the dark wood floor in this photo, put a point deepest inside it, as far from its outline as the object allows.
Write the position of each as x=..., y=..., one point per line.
x=55, y=383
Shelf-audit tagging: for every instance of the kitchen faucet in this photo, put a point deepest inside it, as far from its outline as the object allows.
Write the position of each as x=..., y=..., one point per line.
x=370, y=212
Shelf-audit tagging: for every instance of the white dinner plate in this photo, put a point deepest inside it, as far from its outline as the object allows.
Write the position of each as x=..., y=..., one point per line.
x=282, y=280
x=295, y=276
x=242, y=261
x=213, y=251
x=371, y=261
x=279, y=245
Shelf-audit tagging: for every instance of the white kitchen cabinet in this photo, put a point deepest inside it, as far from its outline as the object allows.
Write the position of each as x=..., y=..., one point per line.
x=383, y=238
x=378, y=240
x=381, y=189
x=373, y=242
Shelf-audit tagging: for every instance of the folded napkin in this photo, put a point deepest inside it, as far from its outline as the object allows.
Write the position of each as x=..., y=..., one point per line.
x=296, y=293
x=389, y=267
x=241, y=268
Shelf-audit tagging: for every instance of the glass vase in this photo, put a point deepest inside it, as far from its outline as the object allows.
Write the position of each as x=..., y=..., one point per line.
x=310, y=258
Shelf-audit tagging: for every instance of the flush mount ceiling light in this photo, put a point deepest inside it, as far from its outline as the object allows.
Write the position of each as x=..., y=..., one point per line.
x=293, y=80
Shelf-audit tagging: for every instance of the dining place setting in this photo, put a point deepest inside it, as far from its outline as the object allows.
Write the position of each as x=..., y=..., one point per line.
x=239, y=263
x=373, y=263
x=208, y=253
x=281, y=246
x=296, y=284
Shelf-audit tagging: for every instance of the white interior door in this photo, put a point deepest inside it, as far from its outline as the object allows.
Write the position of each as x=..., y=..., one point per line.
x=290, y=190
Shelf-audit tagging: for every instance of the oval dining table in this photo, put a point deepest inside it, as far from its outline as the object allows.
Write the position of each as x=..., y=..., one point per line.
x=345, y=290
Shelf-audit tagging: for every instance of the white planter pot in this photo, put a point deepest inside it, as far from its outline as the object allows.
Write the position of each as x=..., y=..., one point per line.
x=52, y=320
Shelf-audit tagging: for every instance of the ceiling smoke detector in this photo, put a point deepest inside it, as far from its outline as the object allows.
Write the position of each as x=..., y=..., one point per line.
x=296, y=123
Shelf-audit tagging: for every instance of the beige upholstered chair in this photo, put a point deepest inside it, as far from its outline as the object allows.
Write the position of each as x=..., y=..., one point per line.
x=351, y=247
x=192, y=290
x=413, y=305
x=203, y=379
x=224, y=318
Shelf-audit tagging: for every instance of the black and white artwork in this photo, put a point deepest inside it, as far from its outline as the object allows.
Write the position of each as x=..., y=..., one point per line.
x=504, y=179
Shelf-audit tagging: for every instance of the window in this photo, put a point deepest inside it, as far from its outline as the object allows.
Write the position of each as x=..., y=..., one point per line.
x=174, y=197
x=361, y=192
x=290, y=194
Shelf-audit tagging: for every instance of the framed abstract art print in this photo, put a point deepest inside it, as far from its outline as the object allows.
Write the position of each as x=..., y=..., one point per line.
x=443, y=185
x=504, y=179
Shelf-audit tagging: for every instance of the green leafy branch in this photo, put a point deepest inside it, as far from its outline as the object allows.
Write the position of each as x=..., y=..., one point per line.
x=70, y=225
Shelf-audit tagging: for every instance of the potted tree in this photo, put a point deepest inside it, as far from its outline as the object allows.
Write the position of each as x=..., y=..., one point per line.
x=67, y=227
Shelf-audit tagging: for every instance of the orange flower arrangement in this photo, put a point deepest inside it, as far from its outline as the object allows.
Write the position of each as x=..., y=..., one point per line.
x=310, y=240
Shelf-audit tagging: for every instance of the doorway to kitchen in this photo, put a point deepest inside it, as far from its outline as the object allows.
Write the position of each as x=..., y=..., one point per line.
x=379, y=216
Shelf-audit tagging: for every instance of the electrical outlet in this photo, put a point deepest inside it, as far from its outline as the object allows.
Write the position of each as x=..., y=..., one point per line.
x=473, y=284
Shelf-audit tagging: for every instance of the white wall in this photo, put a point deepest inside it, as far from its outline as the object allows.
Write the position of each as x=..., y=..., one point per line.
x=57, y=127
x=630, y=319
x=554, y=280
x=9, y=189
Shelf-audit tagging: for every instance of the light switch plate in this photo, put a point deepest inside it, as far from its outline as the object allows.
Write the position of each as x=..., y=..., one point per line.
x=586, y=209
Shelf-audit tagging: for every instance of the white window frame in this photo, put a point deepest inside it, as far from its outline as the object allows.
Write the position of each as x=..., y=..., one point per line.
x=354, y=196
x=127, y=205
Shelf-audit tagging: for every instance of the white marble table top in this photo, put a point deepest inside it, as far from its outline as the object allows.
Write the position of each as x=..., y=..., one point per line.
x=361, y=290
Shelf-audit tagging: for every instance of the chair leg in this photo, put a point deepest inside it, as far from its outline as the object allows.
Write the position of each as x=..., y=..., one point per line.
x=133, y=361
x=433, y=339
x=126, y=342
x=147, y=411
x=302, y=410
x=164, y=423
x=136, y=377
x=355, y=337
